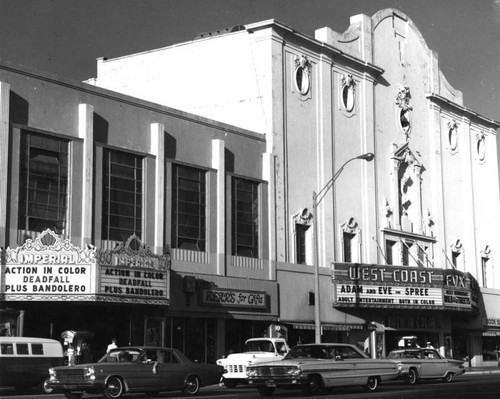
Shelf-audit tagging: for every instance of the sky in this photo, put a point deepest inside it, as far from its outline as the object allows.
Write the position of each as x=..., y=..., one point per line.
x=65, y=37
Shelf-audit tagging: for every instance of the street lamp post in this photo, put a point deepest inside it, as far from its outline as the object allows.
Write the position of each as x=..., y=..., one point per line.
x=317, y=198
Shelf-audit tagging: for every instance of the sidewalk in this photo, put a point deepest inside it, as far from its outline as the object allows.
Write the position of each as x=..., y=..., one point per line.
x=482, y=370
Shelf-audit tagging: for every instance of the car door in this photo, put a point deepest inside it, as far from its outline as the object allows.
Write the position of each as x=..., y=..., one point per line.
x=172, y=370
x=342, y=367
x=440, y=364
x=430, y=363
x=148, y=373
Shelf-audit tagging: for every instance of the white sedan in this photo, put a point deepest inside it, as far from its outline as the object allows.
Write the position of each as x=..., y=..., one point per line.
x=426, y=363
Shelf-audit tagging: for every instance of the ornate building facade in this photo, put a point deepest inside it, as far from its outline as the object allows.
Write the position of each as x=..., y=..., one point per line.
x=340, y=195
x=412, y=230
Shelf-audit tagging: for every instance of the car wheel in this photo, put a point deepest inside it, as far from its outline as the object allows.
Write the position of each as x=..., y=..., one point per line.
x=412, y=378
x=371, y=384
x=448, y=377
x=72, y=395
x=314, y=385
x=265, y=391
x=192, y=385
x=230, y=384
x=114, y=388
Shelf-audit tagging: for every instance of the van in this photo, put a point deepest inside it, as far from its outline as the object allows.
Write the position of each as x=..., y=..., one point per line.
x=25, y=362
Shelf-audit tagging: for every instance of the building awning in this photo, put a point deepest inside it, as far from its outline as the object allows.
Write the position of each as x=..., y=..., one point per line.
x=328, y=327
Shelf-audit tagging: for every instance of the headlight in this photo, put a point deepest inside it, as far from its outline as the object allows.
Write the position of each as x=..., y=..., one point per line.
x=400, y=367
x=295, y=371
x=251, y=372
x=90, y=373
x=52, y=374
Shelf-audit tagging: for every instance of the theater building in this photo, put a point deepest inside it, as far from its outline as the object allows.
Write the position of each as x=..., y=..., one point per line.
x=121, y=218
x=407, y=242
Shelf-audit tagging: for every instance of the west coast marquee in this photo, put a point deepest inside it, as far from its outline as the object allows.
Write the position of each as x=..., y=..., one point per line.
x=372, y=286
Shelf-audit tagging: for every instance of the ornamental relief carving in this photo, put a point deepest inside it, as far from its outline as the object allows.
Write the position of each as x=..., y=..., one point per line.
x=350, y=226
x=302, y=74
x=452, y=135
x=457, y=247
x=403, y=103
x=303, y=217
x=347, y=93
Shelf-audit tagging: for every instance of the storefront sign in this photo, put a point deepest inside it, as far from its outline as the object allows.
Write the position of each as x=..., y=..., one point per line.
x=132, y=273
x=491, y=322
x=223, y=297
x=48, y=268
x=411, y=322
x=402, y=287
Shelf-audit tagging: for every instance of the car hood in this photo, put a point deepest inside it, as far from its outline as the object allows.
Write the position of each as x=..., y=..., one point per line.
x=86, y=365
x=248, y=355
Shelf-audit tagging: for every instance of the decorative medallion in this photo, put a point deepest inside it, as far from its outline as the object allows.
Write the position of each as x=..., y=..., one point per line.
x=481, y=146
x=453, y=134
x=302, y=74
x=348, y=91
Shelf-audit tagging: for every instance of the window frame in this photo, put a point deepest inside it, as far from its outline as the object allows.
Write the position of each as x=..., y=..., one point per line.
x=201, y=204
x=110, y=190
x=238, y=248
x=47, y=147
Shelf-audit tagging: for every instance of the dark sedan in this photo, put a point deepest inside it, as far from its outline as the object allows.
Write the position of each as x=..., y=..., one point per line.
x=147, y=370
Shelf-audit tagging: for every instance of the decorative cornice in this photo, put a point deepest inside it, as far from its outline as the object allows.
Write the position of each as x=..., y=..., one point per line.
x=436, y=98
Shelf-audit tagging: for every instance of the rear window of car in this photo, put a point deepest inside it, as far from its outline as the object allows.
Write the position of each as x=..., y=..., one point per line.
x=22, y=349
x=36, y=349
x=7, y=349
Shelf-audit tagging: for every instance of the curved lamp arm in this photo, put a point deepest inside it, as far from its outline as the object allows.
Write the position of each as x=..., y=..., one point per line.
x=317, y=197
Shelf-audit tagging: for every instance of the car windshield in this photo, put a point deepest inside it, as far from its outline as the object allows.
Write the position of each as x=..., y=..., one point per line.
x=259, y=346
x=324, y=352
x=121, y=355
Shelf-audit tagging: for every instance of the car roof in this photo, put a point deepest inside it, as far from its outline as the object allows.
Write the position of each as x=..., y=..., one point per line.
x=34, y=340
x=406, y=350
x=141, y=348
x=324, y=344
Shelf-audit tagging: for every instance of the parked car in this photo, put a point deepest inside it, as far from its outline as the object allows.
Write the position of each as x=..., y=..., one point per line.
x=25, y=361
x=147, y=370
x=426, y=363
x=257, y=350
x=313, y=367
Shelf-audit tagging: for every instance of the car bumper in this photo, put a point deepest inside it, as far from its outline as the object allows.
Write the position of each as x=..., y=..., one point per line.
x=281, y=382
x=87, y=386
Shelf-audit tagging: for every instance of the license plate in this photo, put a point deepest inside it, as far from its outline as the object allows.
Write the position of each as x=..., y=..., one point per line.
x=270, y=384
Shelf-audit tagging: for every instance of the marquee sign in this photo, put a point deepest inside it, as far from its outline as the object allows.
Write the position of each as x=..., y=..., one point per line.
x=360, y=285
x=48, y=268
x=132, y=273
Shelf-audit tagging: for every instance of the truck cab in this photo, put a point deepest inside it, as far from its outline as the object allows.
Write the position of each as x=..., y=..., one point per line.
x=257, y=350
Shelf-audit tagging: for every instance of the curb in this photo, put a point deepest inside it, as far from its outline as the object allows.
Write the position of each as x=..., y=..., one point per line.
x=496, y=371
